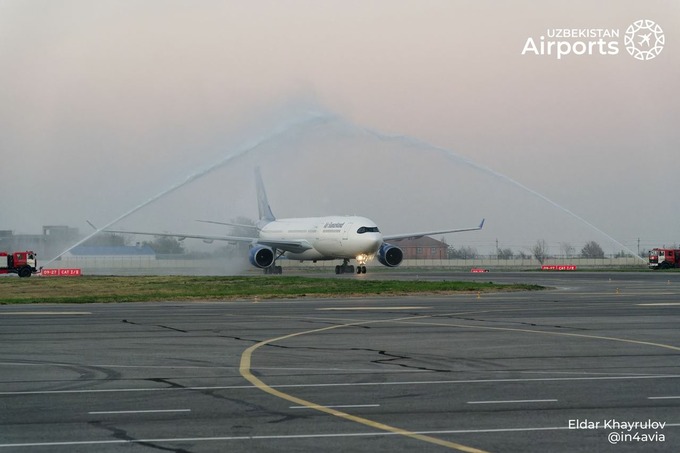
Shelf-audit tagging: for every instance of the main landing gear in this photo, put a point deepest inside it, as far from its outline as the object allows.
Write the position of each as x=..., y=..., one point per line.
x=346, y=268
x=273, y=270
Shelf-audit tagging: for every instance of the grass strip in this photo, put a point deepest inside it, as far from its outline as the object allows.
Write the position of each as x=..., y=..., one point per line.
x=97, y=289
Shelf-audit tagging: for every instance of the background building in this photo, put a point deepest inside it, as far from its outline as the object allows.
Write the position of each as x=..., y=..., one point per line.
x=423, y=248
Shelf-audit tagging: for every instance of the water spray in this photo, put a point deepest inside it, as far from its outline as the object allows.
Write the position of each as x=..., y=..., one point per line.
x=299, y=122
x=415, y=142
x=286, y=127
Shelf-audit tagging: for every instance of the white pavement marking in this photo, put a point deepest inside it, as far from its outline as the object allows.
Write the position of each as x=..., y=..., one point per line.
x=148, y=411
x=49, y=313
x=663, y=397
x=659, y=304
x=173, y=367
x=336, y=406
x=348, y=384
x=513, y=401
x=370, y=308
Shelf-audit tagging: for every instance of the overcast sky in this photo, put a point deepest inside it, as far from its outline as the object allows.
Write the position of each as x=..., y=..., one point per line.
x=104, y=104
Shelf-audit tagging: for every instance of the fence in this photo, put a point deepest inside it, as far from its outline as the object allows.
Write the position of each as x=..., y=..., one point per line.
x=213, y=266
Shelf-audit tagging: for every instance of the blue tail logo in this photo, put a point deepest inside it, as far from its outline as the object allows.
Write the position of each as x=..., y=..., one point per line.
x=262, y=204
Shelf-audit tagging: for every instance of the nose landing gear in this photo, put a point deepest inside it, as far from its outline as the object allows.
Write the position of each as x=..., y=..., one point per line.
x=346, y=268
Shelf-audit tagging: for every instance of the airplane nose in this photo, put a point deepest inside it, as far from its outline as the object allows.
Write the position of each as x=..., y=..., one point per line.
x=375, y=243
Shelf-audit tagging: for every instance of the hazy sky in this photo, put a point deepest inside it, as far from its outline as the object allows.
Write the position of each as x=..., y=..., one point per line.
x=104, y=104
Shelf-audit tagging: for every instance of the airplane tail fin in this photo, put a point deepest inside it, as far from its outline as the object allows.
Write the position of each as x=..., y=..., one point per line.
x=262, y=203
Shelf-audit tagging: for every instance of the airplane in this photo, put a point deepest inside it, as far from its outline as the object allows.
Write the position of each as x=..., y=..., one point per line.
x=314, y=239
x=645, y=39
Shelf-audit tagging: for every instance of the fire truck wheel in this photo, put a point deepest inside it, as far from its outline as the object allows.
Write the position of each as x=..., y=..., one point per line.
x=25, y=271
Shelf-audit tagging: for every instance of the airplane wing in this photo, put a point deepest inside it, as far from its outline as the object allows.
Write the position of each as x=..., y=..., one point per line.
x=430, y=233
x=287, y=246
x=239, y=225
x=181, y=236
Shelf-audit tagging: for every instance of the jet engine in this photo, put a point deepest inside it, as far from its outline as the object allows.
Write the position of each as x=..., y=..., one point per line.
x=261, y=256
x=390, y=255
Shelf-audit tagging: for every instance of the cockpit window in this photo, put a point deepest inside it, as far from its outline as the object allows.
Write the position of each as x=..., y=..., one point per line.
x=363, y=230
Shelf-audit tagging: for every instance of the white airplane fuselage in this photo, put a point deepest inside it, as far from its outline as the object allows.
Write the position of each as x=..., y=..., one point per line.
x=331, y=238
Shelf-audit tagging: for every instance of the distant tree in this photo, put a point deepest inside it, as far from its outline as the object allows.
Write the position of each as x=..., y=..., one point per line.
x=540, y=250
x=505, y=254
x=623, y=254
x=165, y=245
x=523, y=255
x=243, y=227
x=592, y=250
x=469, y=252
x=464, y=253
x=107, y=240
x=567, y=249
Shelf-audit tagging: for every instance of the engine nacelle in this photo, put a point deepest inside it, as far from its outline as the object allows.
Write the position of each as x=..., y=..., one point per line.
x=261, y=256
x=390, y=255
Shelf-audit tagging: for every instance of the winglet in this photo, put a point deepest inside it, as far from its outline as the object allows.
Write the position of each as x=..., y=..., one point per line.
x=481, y=225
x=262, y=204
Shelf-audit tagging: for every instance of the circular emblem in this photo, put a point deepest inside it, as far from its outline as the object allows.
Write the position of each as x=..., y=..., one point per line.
x=644, y=39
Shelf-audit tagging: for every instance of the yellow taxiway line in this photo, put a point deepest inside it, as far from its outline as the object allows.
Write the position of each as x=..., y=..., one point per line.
x=245, y=370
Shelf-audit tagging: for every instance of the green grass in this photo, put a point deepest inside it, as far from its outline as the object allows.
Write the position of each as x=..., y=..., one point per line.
x=91, y=289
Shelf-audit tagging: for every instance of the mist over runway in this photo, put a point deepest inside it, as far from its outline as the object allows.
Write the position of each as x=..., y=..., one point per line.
x=503, y=372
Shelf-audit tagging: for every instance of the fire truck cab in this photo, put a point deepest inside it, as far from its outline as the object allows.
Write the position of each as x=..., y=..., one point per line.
x=22, y=263
x=664, y=258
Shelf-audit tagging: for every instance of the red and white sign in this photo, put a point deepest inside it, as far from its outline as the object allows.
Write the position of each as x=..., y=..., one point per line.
x=478, y=270
x=61, y=272
x=559, y=267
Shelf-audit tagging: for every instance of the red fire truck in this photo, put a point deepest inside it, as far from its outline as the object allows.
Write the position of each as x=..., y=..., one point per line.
x=664, y=258
x=22, y=263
